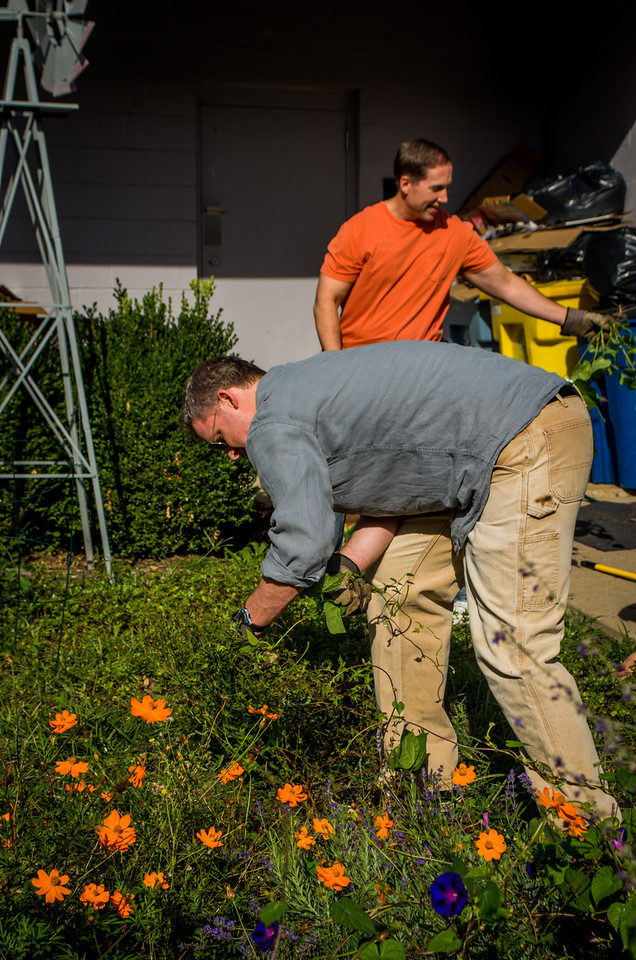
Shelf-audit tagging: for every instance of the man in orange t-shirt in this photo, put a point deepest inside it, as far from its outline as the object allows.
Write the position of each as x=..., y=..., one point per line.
x=387, y=276
x=388, y=271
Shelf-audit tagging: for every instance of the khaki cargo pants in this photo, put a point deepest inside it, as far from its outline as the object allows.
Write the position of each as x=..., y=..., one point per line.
x=516, y=567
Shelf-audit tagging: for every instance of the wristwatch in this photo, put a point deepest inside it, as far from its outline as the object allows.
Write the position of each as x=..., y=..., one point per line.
x=244, y=623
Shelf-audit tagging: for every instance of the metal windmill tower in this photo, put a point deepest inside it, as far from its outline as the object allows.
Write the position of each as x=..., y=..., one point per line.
x=57, y=40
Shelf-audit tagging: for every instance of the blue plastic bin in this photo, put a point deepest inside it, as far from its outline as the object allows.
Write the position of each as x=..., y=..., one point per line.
x=604, y=465
x=621, y=403
x=468, y=323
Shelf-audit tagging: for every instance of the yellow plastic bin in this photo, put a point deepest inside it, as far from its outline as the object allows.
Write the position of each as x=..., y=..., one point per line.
x=538, y=342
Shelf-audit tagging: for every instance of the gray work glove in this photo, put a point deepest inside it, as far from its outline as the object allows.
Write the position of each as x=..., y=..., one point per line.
x=242, y=624
x=354, y=592
x=582, y=323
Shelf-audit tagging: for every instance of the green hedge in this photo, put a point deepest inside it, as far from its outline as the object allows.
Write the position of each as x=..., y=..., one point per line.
x=162, y=493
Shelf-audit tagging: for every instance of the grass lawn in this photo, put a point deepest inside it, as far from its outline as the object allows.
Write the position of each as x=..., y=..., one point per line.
x=210, y=797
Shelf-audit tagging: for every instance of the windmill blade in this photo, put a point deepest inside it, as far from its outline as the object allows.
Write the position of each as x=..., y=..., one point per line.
x=58, y=43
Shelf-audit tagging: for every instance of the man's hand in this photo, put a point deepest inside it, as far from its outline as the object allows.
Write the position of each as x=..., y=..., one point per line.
x=354, y=592
x=243, y=625
x=582, y=323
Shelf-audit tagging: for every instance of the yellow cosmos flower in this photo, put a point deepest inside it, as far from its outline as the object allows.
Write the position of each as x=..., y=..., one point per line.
x=263, y=711
x=464, y=775
x=333, y=877
x=304, y=839
x=156, y=880
x=491, y=845
x=291, y=794
x=152, y=711
x=138, y=772
x=72, y=766
x=80, y=787
x=211, y=838
x=230, y=773
x=547, y=799
x=382, y=825
x=116, y=834
x=63, y=721
x=123, y=904
x=95, y=896
x=323, y=827
x=50, y=885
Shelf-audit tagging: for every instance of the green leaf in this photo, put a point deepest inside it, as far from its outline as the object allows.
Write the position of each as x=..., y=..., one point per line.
x=410, y=754
x=515, y=744
x=333, y=616
x=626, y=779
x=351, y=915
x=391, y=950
x=331, y=582
x=445, y=942
x=614, y=913
x=272, y=912
x=490, y=901
x=580, y=886
x=368, y=952
x=604, y=883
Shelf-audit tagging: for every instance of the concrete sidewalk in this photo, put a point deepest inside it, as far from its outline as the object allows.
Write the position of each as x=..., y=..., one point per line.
x=609, y=599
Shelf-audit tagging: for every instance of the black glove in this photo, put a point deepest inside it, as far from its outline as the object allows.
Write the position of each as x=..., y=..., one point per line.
x=242, y=624
x=354, y=592
x=582, y=323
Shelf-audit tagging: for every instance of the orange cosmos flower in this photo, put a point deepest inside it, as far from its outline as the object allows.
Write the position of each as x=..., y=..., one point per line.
x=138, y=772
x=263, y=712
x=116, y=834
x=122, y=904
x=491, y=845
x=107, y=795
x=291, y=794
x=72, y=766
x=323, y=827
x=547, y=800
x=152, y=711
x=156, y=880
x=304, y=839
x=333, y=877
x=382, y=825
x=63, y=721
x=211, y=838
x=464, y=775
x=80, y=787
x=95, y=896
x=230, y=773
x=51, y=885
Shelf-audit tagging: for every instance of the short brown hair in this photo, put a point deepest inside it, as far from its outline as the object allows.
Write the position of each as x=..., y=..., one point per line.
x=213, y=375
x=415, y=158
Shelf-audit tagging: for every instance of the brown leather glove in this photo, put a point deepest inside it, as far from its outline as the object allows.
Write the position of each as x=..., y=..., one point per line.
x=354, y=592
x=582, y=323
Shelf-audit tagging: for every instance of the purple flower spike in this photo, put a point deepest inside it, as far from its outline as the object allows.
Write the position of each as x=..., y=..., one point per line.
x=448, y=894
x=264, y=937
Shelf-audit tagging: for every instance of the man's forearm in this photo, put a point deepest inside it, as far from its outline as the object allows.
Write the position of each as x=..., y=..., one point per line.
x=328, y=325
x=514, y=290
x=269, y=600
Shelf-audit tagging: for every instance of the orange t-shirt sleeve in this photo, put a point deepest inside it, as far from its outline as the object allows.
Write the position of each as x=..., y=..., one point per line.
x=346, y=253
x=479, y=256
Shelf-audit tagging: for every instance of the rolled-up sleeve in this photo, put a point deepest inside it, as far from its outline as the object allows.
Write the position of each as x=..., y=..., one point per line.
x=293, y=470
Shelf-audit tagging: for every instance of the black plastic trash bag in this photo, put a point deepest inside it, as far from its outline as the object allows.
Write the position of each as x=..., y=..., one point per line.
x=562, y=263
x=610, y=265
x=591, y=191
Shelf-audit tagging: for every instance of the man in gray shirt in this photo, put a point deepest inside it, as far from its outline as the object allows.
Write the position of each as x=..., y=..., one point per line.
x=414, y=429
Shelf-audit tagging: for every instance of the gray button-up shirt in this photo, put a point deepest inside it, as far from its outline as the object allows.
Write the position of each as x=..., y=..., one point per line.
x=390, y=429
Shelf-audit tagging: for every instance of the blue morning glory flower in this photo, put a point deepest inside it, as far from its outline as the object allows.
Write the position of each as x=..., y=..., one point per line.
x=448, y=894
x=263, y=937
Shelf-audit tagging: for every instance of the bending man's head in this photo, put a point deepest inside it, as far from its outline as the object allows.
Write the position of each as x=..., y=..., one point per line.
x=203, y=387
x=415, y=158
